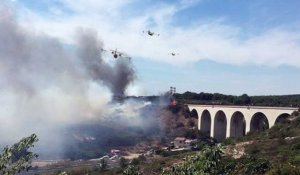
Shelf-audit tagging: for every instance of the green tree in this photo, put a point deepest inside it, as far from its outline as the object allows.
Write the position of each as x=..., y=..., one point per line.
x=18, y=158
x=255, y=166
x=206, y=162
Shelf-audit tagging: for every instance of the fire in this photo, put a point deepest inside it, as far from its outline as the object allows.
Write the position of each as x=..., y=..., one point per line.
x=173, y=102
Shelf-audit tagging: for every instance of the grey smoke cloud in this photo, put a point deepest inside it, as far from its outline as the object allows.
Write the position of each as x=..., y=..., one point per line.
x=116, y=77
x=46, y=86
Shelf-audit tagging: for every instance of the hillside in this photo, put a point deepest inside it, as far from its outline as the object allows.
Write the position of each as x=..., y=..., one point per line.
x=279, y=144
x=275, y=151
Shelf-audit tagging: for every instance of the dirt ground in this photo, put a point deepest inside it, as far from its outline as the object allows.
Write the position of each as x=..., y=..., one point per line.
x=236, y=151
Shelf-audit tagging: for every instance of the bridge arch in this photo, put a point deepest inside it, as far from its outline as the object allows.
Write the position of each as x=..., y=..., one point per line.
x=282, y=118
x=259, y=122
x=220, y=126
x=237, y=125
x=194, y=113
x=205, y=125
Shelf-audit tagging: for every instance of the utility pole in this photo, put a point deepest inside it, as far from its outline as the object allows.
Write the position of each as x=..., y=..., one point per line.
x=172, y=90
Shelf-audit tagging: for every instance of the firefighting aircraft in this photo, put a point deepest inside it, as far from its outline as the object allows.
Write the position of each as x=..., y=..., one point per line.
x=116, y=54
x=174, y=54
x=151, y=33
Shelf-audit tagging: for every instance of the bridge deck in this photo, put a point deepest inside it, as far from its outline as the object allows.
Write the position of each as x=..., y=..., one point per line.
x=247, y=107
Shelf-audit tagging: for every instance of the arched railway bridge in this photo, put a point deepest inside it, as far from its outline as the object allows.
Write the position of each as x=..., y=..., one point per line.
x=221, y=121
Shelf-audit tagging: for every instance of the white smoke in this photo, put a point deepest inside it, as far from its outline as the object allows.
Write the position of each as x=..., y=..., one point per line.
x=46, y=86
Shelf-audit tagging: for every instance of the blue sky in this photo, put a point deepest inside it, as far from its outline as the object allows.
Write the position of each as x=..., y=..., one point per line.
x=225, y=46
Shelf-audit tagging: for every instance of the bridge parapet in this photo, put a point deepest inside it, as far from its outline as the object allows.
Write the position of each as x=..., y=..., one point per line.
x=243, y=107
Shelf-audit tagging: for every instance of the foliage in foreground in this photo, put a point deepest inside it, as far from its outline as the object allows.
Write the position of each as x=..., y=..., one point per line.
x=17, y=158
x=206, y=162
x=211, y=161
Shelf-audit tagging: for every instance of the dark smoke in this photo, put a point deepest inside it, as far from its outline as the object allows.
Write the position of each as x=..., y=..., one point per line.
x=116, y=77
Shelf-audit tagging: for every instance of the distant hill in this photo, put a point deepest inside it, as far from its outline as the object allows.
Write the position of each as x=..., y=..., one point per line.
x=216, y=98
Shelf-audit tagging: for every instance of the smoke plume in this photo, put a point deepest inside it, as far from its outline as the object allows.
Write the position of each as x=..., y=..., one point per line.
x=116, y=77
x=46, y=85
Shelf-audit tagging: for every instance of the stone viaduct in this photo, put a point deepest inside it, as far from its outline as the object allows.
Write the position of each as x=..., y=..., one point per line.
x=221, y=121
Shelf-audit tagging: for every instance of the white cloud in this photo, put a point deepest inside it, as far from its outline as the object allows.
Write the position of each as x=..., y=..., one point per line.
x=188, y=3
x=212, y=39
x=86, y=6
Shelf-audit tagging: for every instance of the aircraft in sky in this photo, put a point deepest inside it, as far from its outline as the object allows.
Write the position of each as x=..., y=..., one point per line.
x=117, y=54
x=151, y=33
x=174, y=54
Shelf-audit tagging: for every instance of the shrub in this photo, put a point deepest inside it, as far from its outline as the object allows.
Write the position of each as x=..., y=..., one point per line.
x=135, y=161
x=297, y=121
x=132, y=170
x=207, y=162
x=256, y=166
x=252, y=150
x=77, y=171
x=296, y=146
x=229, y=141
x=296, y=159
x=142, y=158
x=157, y=166
x=162, y=153
x=285, y=169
